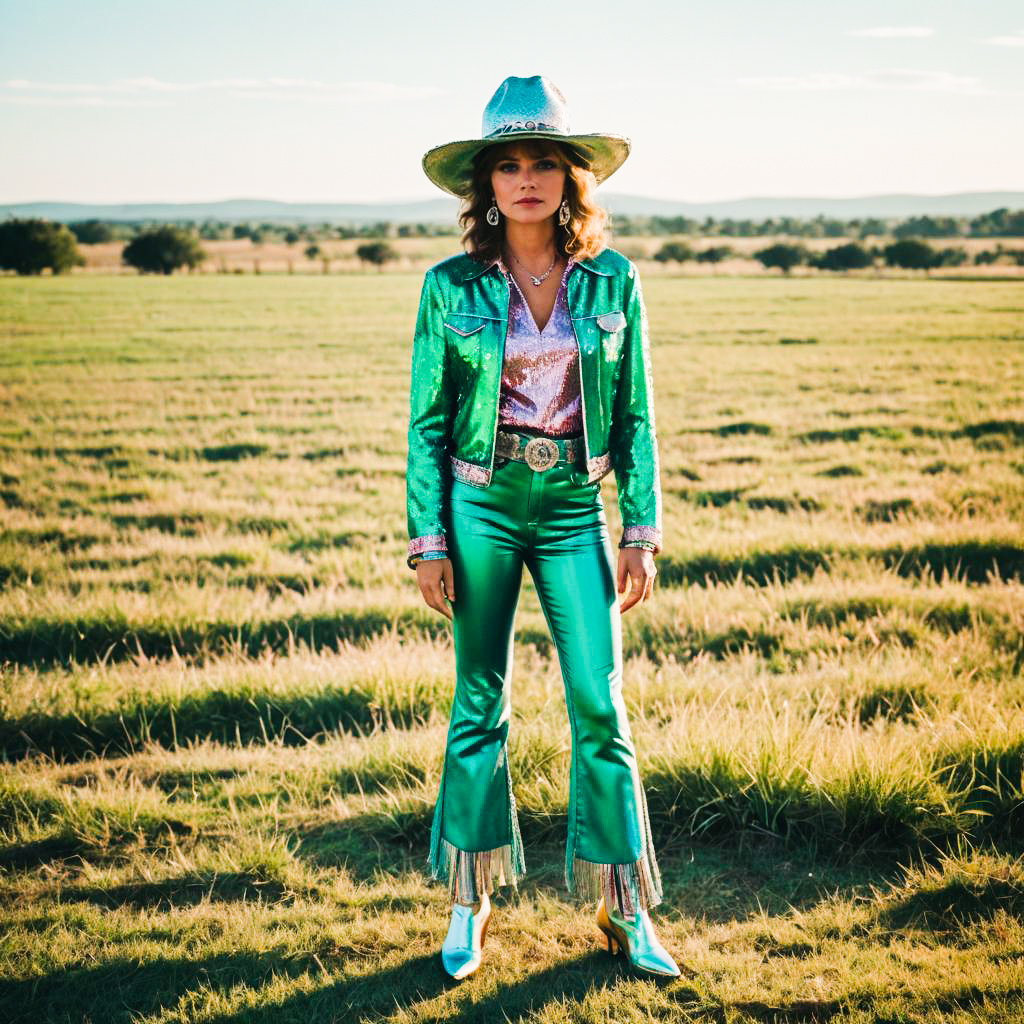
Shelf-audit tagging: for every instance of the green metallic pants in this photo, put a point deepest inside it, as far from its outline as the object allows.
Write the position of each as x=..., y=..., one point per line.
x=554, y=523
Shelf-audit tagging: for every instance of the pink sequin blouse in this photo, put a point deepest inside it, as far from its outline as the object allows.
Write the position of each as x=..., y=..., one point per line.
x=540, y=380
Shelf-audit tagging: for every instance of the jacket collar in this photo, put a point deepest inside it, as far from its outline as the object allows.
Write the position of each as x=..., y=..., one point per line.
x=472, y=269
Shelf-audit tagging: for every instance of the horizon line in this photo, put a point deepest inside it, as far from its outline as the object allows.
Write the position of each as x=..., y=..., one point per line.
x=425, y=199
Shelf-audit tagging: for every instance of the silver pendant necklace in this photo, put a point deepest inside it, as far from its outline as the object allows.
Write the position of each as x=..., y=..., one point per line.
x=534, y=279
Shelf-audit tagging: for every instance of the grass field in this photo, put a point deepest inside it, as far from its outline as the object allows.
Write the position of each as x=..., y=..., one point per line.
x=224, y=704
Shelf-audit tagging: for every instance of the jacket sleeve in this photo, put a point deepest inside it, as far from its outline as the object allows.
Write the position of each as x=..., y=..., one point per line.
x=430, y=414
x=633, y=444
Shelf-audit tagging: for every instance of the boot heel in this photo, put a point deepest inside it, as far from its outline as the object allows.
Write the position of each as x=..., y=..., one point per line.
x=613, y=945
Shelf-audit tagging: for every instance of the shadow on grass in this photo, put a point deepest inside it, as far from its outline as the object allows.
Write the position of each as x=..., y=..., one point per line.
x=185, y=891
x=235, y=718
x=48, y=642
x=971, y=561
x=746, y=876
x=34, y=854
x=369, y=998
x=957, y=905
x=1012, y=429
x=123, y=990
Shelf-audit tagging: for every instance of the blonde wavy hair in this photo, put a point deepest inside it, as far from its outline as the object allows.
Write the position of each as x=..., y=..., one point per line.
x=583, y=236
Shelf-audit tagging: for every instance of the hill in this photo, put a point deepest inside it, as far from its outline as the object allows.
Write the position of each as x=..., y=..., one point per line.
x=444, y=209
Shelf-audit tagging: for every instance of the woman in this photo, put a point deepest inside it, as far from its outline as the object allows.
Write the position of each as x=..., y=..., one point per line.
x=530, y=381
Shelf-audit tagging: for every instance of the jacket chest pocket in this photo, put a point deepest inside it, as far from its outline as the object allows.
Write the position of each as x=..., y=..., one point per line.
x=463, y=333
x=468, y=336
x=603, y=334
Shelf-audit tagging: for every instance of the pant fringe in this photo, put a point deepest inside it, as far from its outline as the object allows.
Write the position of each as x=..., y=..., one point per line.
x=626, y=887
x=468, y=873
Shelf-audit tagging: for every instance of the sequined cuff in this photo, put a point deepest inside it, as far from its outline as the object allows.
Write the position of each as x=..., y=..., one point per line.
x=648, y=537
x=431, y=545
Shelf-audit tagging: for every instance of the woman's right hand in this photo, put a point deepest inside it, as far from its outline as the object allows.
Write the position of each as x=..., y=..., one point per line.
x=437, y=582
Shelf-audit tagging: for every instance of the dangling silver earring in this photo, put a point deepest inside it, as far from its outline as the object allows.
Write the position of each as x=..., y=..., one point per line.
x=492, y=213
x=564, y=213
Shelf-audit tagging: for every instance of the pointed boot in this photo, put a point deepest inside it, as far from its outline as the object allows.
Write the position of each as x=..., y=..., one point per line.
x=463, y=945
x=635, y=937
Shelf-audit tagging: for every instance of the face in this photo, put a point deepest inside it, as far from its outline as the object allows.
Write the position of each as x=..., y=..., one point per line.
x=527, y=188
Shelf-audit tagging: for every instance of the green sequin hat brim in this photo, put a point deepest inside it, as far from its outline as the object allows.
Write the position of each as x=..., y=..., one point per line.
x=450, y=166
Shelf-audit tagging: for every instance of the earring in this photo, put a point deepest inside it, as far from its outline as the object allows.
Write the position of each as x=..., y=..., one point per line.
x=564, y=213
x=492, y=213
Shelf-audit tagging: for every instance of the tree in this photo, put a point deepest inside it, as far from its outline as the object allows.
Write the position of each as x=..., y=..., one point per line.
x=868, y=226
x=714, y=254
x=911, y=254
x=212, y=230
x=676, y=252
x=162, y=250
x=851, y=256
x=783, y=256
x=930, y=227
x=291, y=236
x=955, y=256
x=92, y=232
x=673, y=226
x=1003, y=222
x=30, y=246
x=312, y=251
x=377, y=253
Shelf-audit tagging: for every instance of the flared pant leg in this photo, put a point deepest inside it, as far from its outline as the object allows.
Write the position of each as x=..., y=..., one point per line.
x=475, y=841
x=554, y=523
x=609, y=849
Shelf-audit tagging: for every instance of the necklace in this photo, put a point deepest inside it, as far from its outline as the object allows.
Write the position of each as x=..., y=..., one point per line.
x=534, y=279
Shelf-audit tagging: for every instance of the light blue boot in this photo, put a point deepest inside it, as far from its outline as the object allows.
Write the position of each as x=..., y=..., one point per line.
x=461, y=950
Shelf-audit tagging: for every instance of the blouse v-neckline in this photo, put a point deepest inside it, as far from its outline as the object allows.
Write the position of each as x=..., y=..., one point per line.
x=558, y=294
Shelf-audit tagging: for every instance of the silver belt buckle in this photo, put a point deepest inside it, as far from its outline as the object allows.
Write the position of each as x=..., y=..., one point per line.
x=541, y=454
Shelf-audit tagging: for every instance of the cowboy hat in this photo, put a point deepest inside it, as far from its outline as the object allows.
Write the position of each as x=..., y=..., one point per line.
x=522, y=108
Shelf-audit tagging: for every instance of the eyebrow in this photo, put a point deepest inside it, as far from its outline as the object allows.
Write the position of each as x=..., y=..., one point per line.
x=519, y=160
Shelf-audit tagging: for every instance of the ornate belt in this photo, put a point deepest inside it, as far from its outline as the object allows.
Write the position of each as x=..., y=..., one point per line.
x=539, y=453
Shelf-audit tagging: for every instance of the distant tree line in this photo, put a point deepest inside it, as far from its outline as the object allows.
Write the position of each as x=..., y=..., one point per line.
x=908, y=253
x=1002, y=223
x=31, y=246
x=34, y=245
x=91, y=232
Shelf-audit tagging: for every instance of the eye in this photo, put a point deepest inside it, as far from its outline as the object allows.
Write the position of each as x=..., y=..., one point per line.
x=546, y=164
x=508, y=167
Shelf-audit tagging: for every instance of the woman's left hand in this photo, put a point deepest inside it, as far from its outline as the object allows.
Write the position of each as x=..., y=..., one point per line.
x=636, y=566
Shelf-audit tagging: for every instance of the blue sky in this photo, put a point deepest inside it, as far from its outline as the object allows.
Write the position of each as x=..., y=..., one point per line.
x=109, y=100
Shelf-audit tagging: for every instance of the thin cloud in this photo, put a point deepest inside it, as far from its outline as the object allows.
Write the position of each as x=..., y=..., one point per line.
x=1017, y=39
x=894, y=32
x=138, y=92
x=903, y=79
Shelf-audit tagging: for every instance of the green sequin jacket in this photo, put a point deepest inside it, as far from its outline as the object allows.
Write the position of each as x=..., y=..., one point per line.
x=456, y=381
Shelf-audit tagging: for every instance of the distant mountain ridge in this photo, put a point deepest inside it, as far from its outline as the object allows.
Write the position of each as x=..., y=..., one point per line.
x=965, y=204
